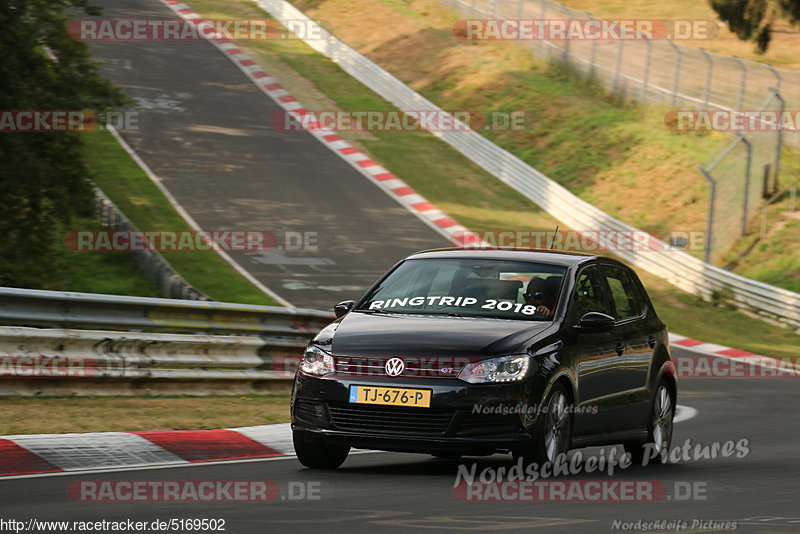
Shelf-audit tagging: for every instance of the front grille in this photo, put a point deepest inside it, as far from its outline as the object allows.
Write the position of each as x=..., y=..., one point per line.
x=414, y=367
x=390, y=419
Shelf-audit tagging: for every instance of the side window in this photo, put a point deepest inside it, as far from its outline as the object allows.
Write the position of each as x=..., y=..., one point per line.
x=589, y=296
x=624, y=293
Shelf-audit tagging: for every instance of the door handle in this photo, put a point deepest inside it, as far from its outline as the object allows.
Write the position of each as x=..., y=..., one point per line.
x=620, y=349
x=651, y=340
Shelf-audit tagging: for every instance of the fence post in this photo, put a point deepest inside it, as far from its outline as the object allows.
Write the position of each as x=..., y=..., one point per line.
x=493, y=8
x=782, y=105
x=542, y=16
x=646, y=68
x=777, y=77
x=593, y=54
x=707, y=91
x=520, y=3
x=742, y=83
x=749, y=146
x=618, y=67
x=676, y=72
x=710, y=222
x=566, y=41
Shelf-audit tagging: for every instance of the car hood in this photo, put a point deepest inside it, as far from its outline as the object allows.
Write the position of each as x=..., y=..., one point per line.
x=377, y=334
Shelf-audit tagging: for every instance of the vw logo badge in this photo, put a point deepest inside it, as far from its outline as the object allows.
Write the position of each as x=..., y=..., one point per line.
x=394, y=367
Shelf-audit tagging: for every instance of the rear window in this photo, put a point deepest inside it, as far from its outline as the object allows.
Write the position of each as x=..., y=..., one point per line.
x=469, y=288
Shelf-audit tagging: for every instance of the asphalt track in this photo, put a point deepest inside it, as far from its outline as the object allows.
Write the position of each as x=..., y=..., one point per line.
x=205, y=131
x=391, y=492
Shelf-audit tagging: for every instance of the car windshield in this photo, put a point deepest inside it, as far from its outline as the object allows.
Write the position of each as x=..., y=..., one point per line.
x=469, y=288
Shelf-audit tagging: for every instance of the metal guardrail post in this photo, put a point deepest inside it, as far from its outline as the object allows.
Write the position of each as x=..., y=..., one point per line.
x=710, y=222
x=746, y=181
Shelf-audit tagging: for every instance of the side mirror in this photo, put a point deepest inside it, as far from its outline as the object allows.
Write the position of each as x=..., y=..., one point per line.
x=343, y=307
x=596, y=322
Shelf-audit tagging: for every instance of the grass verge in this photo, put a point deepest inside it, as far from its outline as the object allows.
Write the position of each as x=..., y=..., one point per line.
x=97, y=272
x=118, y=414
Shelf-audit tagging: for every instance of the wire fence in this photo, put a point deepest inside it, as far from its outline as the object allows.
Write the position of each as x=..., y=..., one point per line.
x=663, y=73
x=657, y=71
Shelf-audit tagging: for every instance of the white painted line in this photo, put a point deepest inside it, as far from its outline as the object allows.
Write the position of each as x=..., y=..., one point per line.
x=684, y=413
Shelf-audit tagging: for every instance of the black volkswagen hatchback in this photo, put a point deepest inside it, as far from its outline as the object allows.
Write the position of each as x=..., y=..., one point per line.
x=473, y=352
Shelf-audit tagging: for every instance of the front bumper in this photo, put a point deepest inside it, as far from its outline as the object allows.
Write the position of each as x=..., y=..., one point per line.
x=462, y=418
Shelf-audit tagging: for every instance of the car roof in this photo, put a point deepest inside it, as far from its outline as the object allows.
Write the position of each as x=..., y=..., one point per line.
x=553, y=257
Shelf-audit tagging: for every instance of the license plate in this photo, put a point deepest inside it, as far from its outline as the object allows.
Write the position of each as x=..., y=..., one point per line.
x=417, y=398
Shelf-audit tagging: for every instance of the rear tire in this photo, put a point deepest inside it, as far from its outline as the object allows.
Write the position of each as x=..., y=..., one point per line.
x=553, y=433
x=316, y=454
x=659, y=428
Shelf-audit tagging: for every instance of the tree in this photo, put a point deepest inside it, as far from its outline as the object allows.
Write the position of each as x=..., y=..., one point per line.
x=43, y=180
x=753, y=19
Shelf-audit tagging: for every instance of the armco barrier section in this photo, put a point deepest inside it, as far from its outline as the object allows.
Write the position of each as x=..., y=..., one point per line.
x=34, y=307
x=50, y=339
x=679, y=268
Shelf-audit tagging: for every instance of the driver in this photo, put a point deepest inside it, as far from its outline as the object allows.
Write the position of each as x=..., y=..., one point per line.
x=542, y=294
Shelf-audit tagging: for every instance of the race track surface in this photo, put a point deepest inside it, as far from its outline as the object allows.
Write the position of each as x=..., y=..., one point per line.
x=391, y=492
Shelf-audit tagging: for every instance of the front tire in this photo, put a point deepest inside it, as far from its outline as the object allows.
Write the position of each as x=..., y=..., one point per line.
x=553, y=433
x=316, y=454
x=659, y=429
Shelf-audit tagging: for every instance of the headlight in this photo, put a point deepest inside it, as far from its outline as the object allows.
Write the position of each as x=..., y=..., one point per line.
x=503, y=369
x=317, y=362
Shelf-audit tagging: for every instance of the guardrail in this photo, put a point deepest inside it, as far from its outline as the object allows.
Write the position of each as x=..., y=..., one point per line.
x=679, y=268
x=152, y=341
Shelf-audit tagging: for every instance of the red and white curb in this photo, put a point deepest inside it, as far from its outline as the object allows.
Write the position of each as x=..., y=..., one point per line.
x=28, y=454
x=391, y=184
x=786, y=367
